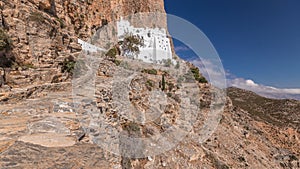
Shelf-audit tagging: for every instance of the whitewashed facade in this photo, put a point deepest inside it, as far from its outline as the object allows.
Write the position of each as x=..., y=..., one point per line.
x=89, y=47
x=157, y=45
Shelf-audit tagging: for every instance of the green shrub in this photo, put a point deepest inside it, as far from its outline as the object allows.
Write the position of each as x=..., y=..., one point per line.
x=150, y=71
x=61, y=22
x=202, y=80
x=167, y=62
x=198, y=77
x=177, y=66
x=117, y=62
x=68, y=65
x=112, y=53
x=132, y=127
x=5, y=41
x=149, y=84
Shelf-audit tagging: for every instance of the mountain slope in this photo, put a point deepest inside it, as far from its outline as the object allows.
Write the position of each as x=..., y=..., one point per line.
x=283, y=113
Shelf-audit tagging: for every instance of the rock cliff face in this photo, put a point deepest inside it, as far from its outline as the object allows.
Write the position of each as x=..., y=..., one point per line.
x=40, y=126
x=43, y=33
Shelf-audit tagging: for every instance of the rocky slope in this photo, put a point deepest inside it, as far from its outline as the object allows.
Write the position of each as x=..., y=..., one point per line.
x=282, y=113
x=41, y=34
x=42, y=127
x=279, y=118
x=46, y=132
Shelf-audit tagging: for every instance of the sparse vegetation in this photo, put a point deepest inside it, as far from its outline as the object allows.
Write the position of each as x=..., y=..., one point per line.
x=112, y=55
x=7, y=59
x=149, y=84
x=171, y=86
x=125, y=65
x=117, y=62
x=68, y=65
x=202, y=80
x=216, y=162
x=198, y=77
x=167, y=62
x=61, y=22
x=266, y=109
x=132, y=127
x=28, y=66
x=37, y=17
x=176, y=98
x=180, y=80
x=163, y=83
x=150, y=71
x=177, y=66
x=5, y=41
x=104, y=22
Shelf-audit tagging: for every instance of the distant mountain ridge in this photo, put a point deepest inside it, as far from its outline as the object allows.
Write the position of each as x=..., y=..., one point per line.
x=281, y=112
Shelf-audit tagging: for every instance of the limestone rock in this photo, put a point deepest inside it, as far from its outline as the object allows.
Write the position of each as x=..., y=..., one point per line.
x=48, y=140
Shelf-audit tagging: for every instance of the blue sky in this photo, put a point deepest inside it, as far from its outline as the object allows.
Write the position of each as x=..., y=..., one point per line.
x=256, y=39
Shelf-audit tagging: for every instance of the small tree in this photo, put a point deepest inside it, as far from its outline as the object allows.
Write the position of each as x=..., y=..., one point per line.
x=130, y=44
x=163, y=83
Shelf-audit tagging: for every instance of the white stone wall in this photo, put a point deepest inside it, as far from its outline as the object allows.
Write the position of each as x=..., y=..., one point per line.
x=89, y=47
x=157, y=46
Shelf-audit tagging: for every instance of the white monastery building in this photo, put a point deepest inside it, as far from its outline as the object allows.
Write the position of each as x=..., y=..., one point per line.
x=157, y=46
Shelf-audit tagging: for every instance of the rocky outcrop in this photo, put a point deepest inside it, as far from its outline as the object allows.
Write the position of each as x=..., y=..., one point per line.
x=43, y=33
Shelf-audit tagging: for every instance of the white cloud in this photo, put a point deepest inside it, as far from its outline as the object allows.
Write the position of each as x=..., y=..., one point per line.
x=251, y=83
x=216, y=76
x=267, y=91
x=181, y=48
